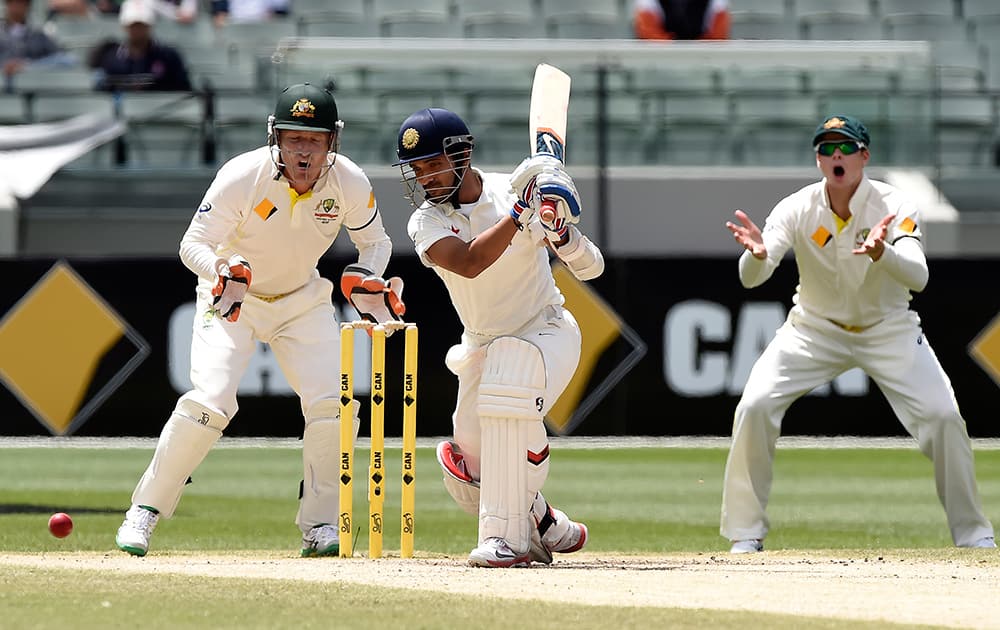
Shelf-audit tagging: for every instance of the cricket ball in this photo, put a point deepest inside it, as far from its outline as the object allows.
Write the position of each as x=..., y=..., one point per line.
x=60, y=524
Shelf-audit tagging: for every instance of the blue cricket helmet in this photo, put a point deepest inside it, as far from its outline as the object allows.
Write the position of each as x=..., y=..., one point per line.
x=431, y=132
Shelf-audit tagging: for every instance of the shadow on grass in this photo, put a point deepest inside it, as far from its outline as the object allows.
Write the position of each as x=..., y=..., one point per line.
x=28, y=508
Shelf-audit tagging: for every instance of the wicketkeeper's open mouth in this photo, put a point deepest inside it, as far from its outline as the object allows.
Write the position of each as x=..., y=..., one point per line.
x=838, y=171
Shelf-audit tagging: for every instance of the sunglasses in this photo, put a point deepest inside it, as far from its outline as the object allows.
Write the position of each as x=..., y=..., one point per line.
x=847, y=148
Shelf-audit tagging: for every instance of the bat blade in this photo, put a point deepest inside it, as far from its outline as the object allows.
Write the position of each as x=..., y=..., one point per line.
x=547, y=118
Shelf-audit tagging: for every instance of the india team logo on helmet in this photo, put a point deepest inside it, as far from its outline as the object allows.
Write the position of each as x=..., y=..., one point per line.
x=410, y=138
x=431, y=132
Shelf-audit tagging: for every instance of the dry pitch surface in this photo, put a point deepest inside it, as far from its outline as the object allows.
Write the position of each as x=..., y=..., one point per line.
x=960, y=592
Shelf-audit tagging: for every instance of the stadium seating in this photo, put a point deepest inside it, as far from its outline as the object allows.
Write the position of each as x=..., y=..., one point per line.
x=700, y=113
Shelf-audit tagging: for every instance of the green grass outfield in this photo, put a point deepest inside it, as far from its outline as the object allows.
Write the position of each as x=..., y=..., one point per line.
x=659, y=497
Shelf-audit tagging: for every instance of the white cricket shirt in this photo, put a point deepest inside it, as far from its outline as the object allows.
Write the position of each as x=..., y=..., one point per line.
x=511, y=291
x=250, y=210
x=833, y=282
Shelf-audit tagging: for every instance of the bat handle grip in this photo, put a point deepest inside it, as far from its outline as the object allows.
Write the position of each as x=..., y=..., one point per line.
x=548, y=212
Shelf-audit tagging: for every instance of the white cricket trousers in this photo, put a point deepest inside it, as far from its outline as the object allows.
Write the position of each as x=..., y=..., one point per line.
x=300, y=328
x=809, y=351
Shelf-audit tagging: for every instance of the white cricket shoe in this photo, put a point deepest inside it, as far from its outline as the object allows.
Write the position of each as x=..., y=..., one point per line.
x=986, y=542
x=537, y=550
x=556, y=532
x=321, y=540
x=133, y=535
x=752, y=545
x=494, y=552
x=573, y=539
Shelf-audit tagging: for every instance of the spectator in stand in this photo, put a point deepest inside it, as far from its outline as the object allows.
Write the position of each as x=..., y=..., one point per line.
x=84, y=8
x=183, y=11
x=140, y=62
x=226, y=11
x=681, y=19
x=22, y=45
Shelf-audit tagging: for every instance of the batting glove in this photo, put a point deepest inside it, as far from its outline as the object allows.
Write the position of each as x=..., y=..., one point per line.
x=522, y=180
x=557, y=186
x=231, y=287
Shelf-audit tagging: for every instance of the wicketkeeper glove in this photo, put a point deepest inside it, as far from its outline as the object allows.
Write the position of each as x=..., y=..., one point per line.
x=231, y=287
x=378, y=300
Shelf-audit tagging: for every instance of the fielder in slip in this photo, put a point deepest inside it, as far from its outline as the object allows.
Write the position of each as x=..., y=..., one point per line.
x=519, y=348
x=857, y=244
x=254, y=244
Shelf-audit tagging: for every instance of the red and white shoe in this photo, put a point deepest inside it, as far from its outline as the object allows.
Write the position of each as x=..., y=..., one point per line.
x=559, y=533
x=495, y=553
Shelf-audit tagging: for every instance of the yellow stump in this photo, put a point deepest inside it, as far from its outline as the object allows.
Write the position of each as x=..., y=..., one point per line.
x=409, y=444
x=346, y=437
x=376, y=474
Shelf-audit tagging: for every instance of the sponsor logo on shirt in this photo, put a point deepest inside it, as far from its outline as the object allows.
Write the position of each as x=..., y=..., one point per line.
x=205, y=207
x=821, y=236
x=265, y=209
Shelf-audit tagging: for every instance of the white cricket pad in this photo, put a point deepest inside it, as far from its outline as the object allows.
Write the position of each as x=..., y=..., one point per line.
x=515, y=449
x=188, y=435
x=513, y=380
x=321, y=463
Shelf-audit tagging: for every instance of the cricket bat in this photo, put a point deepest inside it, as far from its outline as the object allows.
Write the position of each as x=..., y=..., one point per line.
x=547, y=119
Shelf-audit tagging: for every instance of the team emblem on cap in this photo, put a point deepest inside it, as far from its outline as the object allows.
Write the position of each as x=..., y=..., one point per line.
x=410, y=138
x=303, y=107
x=834, y=123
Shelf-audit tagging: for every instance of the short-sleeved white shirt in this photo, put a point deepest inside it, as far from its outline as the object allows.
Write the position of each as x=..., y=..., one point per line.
x=835, y=283
x=251, y=211
x=511, y=291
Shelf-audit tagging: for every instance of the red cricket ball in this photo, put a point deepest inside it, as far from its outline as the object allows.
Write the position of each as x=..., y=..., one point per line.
x=60, y=524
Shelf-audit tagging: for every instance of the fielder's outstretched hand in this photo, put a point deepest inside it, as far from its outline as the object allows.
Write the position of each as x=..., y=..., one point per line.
x=231, y=287
x=748, y=235
x=874, y=244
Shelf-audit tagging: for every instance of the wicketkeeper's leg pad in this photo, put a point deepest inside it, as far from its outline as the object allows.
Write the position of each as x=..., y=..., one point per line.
x=515, y=447
x=188, y=435
x=319, y=502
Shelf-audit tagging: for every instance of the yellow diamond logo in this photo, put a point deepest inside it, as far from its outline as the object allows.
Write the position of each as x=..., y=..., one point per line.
x=60, y=346
x=600, y=327
x=985, y=349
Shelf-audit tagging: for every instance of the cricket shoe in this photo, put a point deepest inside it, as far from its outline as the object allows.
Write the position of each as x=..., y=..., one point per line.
x=555, y=532
x=494, y=552
x=133, y=535
x=753, y=545
x=986, y=542
x=321, y=540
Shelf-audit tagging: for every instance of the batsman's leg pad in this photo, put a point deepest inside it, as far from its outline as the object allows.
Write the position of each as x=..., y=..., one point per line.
x=515, y=448
x=321, y=463
x=188, y=435
x=457, y=480
x=513, y=380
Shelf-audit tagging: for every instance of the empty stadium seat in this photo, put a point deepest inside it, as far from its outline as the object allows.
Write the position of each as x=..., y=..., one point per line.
x=918, y=27
x=841, y=27
x=966, y=125
x=944, y=8
x=763, y=26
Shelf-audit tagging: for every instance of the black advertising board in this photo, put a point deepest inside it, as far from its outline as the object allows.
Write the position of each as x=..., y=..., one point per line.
x=67, y=370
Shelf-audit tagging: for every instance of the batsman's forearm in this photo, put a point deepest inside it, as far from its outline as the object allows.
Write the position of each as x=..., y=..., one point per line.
x=582, y=257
